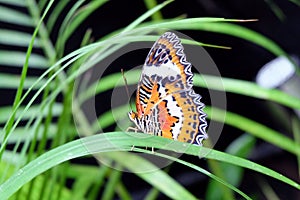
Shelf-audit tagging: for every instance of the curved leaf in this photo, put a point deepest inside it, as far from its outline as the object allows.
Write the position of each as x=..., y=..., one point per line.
x=118, y=141
x=17, y=38
x=17, y=59
x=14, y=2
x=14, y=17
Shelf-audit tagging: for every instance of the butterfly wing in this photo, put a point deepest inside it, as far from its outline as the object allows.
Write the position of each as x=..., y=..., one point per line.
x=165, y=94
x=165, y=63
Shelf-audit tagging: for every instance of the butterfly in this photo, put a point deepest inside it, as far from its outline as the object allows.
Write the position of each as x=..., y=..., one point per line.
x=166, y=104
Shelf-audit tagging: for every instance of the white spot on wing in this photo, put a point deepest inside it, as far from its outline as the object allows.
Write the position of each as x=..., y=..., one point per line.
x=164, y=70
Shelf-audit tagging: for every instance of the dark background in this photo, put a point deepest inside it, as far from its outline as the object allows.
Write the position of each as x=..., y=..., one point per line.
x=243, y=61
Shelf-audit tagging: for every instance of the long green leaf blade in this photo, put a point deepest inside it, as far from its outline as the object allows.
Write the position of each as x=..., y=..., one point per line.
x=14, y=2
x=14, y=17
x=17, y=59
x=109, y=142
x=16, y=38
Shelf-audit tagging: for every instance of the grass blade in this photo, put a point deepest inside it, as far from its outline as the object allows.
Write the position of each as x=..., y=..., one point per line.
x=78, y=148
x=17, y=59
x=14, y=17
x=16, y=38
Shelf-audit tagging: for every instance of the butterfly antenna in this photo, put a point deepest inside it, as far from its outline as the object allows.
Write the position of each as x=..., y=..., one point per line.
x=126, y=87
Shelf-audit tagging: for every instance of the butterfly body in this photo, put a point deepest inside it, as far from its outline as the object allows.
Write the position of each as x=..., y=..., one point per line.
x=166, y=103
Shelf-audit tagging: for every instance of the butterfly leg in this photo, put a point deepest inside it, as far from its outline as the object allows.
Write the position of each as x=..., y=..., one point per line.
x=132, y=129
x=132, y=148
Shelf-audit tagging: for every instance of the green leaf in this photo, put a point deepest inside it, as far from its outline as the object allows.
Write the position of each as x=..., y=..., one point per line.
x=120, y=141
x=9, y=160
x=76, y=19
x=16, y=38
x=218, y=26
x=240, y=147
x=157, y=16
x=156, y=177
x=22, y=195
x=244, y=33
x=14, y=17
x=112, y=182
x=17, y=59
x=21, y=134
x=146, y=15
x=255, y=128
x=11, y=81
x=14, y=2
x=53, y=16
x=297, y=2
x=246, y=88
